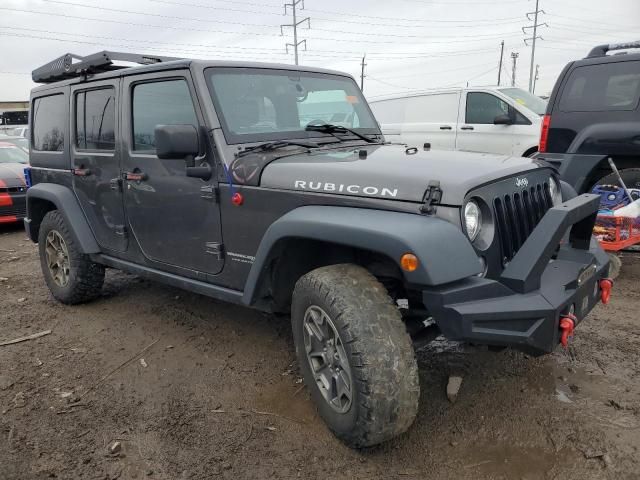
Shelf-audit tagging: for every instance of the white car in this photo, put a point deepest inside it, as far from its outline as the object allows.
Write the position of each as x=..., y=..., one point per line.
x=503, y=120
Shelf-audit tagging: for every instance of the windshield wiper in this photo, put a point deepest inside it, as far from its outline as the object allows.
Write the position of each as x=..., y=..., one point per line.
x=333, y=129
x=268, y=146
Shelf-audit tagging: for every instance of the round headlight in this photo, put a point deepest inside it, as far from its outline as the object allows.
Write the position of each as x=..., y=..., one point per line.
x=554, y=191
x=472, y=219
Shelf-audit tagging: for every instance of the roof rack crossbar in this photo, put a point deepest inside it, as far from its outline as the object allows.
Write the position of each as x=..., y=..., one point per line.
x=71, y=65
x=601, y=50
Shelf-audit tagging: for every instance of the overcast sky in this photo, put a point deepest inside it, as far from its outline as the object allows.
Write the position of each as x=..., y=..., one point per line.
x=409, y=44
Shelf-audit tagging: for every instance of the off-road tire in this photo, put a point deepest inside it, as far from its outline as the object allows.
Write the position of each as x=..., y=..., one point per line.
x=385, y=383
x=85, y=276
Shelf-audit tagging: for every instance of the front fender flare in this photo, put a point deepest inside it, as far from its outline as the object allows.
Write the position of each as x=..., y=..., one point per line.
x=67, y=204
x=444, y=252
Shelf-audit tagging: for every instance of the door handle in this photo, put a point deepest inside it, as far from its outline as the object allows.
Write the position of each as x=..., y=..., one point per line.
x=466, y=127
x=135, y=176
x=81, y=172
x=445, y=127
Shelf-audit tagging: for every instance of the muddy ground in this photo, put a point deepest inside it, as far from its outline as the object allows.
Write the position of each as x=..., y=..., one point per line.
x=216, y=394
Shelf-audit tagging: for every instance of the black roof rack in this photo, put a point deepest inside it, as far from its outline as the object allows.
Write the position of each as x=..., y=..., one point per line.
x=71, y=65
x=601, y=50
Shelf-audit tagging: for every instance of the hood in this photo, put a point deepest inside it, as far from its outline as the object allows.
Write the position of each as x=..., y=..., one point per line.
x=12, y=174
x=388, y=171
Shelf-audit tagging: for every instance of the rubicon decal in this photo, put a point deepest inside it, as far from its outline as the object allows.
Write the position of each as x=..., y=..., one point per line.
x=342, y=188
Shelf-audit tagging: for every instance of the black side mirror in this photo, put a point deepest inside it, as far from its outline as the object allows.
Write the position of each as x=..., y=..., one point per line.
x=176, y=142
x=503, y=120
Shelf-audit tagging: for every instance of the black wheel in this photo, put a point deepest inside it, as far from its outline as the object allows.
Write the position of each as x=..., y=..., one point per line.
x=355, y=354
x=70, y=275
x=630, y=177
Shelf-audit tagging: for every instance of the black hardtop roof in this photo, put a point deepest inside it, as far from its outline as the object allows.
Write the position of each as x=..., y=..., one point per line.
x=100, y=66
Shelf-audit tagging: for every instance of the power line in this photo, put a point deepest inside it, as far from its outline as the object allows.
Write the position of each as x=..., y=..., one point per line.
x=533, y=38
x=262, y=25
x=225, y=32
x=262, y=50
x=457, y=23
x=294, y=25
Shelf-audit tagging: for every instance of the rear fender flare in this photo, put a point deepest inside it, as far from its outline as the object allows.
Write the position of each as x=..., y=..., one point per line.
x=444, y=252
x=67, y=204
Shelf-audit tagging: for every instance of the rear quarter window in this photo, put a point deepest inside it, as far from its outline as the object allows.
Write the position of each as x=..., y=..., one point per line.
x=602, y=87
x=49, y=115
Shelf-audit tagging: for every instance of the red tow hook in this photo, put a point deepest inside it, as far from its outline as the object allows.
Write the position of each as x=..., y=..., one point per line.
x=567, y=324
x=606, y=284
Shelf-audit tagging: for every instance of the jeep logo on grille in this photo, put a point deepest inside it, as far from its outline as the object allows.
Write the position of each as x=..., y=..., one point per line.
x=522, y=182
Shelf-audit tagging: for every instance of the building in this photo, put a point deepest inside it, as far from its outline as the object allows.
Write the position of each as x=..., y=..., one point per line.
x=14, y=113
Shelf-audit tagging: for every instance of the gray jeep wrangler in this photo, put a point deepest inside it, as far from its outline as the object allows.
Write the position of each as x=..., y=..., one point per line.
x=271, y=186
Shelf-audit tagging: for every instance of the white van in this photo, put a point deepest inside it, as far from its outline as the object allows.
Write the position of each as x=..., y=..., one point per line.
x=504, y=120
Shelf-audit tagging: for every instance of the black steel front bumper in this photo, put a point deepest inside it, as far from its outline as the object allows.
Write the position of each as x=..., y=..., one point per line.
x=549, y=275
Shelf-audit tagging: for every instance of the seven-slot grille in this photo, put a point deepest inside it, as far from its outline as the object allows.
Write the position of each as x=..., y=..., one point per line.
x=517, y=214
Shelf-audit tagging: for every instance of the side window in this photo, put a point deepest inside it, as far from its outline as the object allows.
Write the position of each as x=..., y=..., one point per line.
x=483, y=108
x=96, y=119
x=160, y=103
x=602, y=87
x=49, y=114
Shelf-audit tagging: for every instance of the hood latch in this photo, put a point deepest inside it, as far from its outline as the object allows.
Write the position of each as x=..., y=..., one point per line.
x=431, y=198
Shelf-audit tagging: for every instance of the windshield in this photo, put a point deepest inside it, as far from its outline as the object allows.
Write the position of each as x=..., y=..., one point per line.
x=533, y=103
x=256, y=104
x=22, y=143
x=11, y=154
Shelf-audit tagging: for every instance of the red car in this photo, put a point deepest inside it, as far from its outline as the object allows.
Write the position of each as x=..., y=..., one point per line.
x=13, y=189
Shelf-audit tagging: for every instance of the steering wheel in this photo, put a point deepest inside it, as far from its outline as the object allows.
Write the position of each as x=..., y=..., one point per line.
x=316, y=123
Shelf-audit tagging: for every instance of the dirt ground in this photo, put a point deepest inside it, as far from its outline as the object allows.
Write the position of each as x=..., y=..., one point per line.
x=216, y=393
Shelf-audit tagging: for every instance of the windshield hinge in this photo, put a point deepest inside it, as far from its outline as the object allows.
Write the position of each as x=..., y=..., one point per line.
x=431, y=198
x=209, y=192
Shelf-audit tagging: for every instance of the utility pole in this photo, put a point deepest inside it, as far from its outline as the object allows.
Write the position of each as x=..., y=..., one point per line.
x=514, y=57
x=500, y=64
x=295, y=24
x=362, y=65
x=533, y=38
x=535, y=79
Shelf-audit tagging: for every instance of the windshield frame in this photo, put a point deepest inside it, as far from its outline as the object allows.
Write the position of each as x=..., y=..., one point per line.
x=233, y=138
x=504, y=91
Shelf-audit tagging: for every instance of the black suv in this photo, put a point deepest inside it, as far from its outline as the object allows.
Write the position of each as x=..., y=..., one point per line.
x=594, y=114
x=271, y=186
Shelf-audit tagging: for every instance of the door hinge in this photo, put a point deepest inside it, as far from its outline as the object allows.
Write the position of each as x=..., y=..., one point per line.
x=209, y=192
x=216, y=249
x=431, y=198
x=116, y=184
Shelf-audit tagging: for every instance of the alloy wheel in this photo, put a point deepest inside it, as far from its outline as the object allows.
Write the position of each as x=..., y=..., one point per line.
x=328, y=359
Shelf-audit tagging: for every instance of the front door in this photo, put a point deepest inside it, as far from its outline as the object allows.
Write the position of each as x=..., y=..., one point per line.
x=174, y=218
x=477, y=132
x=96, y=161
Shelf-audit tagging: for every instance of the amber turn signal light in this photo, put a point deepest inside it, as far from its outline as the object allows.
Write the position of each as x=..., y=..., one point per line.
x=409, y=262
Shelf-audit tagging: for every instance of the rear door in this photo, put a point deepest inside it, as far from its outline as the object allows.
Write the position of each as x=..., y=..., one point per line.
x=96, y=161
x=174, y=218
x=477, y=131
x=431, y=119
